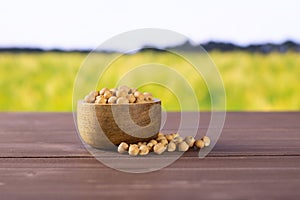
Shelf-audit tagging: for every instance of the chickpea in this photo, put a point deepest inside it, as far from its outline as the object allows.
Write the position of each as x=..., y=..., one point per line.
x=89, y=99
x=147, y=96
x=199, y=144
x=123, y=147
x=100, y=100
x=102, y=91
x=107, y=94
x=133, y=150
x=160, y=135
x=169, y=137
x=112, y=100
x=121, y=93
x=143, y=150
x=150, y=146
x=206, y=141
x=159, y=148
x=178, y=140
x=94, y=93
x=131, y=98
x=171, y=147
x=122, y=100
x=183, y=146
x=190, y=140
x=124, y=88
x=154, y=142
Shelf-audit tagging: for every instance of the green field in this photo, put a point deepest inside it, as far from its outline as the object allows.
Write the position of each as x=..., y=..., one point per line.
x=44, y=81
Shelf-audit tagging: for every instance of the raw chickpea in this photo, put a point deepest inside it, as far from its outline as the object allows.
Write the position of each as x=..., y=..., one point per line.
x=122, y=100
x=199, y=144
x=164, y=141
x=121, y=93
x=113, y=91
x=102, y=91
x=206, y=141
x=100, y=100
x=133, y=150
x=140, y=143
x=159, y=138
x=94, y=93
x=137, y=94
x=175, y=135
x=131, y=98
x=160, y=135
x=107, y=94
x=183, y=146
x=178, y=140
x=143, y=150
x=159, y=148
x=154, y=142
x=89, y=99
x=124, y=88
x=171, y=147
x=112, y=100
x=150, y=146
x=190, y=140
x=169, y=137
x=148, y=96
x=123, y=147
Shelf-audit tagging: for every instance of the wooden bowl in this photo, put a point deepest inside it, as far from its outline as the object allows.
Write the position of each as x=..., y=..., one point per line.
x=106, y=125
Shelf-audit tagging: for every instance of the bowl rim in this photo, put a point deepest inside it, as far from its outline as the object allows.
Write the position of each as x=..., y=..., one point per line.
x=155, y=100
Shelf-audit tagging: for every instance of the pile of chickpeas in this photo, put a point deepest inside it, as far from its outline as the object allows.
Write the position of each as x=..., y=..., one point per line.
x=120, y=95
x=162, y=143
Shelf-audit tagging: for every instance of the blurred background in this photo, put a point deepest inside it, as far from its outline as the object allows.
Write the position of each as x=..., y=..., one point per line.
x=254, y=44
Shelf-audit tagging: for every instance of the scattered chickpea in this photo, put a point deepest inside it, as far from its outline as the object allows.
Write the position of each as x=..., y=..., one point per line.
x=123, y=147
x=150, y=146
x=169, y=137
x=159, y=148
x=190, y=140
x=164, y=142
x=133, y=150
x=206, y=141
x=178, y=140
x=160, y=134
x=183, y=146
x=154, y=142
x=171, y=147
x=199, y=144
x=143, y=150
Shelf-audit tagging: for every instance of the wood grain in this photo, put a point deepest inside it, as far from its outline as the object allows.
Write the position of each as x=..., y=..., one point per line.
x=256, y=157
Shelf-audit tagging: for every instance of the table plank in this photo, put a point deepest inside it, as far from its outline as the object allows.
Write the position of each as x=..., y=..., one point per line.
x=256, y=157
x=212, y=178
x=54, y=134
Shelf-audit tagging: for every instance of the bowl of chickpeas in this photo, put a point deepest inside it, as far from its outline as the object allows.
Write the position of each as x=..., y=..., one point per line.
x=107, y=117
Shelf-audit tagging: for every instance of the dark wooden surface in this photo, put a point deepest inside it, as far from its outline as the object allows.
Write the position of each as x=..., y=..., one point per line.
x=257, y=157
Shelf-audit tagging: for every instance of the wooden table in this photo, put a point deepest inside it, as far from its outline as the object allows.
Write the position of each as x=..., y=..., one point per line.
x=257, y=157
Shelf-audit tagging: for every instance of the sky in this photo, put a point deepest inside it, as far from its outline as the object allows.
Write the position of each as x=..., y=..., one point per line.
x=70, y=24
